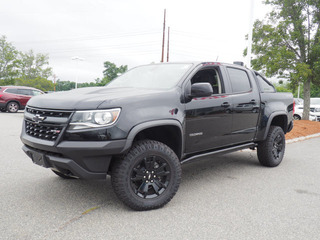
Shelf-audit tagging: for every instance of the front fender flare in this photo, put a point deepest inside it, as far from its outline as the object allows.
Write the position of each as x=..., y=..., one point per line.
x=156, y=123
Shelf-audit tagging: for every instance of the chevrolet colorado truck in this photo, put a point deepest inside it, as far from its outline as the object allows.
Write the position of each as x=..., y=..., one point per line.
x=142, y=126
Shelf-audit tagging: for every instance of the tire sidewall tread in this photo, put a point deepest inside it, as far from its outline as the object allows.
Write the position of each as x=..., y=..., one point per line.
x=121, y=174
x=264, y=151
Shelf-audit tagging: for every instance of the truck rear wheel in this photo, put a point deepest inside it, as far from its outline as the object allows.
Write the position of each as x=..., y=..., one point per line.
x=271, y=150
x=148, y=176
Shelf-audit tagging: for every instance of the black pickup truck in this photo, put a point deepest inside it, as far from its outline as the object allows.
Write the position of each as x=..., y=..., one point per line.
x=144, y=124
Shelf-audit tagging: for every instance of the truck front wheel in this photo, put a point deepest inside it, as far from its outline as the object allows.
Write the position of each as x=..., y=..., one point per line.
x=271, y=150
x=148, y=176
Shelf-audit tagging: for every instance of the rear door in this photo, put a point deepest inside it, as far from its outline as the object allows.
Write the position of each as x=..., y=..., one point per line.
x=26, y=94
x=245, y=104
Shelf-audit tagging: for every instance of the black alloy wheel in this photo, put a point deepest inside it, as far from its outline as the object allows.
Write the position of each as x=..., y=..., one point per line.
x=271, y=151
x=277, y=146
x=150, y=177
x=147, y=177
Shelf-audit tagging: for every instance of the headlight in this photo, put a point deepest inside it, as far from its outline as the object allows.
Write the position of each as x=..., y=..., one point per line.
x=94, y=119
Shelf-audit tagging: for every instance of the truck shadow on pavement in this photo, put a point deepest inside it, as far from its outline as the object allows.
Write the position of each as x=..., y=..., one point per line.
x=75, y=193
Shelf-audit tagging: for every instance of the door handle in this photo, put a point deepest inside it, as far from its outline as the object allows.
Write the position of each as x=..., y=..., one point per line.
x=253, y=101
x=225, y=105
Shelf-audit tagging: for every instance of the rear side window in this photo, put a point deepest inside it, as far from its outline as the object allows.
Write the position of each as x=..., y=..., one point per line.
x=35, y=92
x=25, y=92
x=239, y=80
x=11, y=90
x=265, y=86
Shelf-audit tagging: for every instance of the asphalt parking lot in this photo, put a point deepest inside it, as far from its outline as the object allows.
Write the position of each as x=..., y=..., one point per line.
x=228, y=197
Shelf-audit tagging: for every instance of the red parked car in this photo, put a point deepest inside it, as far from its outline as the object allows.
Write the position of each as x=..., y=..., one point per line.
x=14, y=98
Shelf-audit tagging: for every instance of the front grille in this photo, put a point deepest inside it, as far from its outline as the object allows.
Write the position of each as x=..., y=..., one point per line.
x=45, y=123
x=49, y=113
x=43, y=131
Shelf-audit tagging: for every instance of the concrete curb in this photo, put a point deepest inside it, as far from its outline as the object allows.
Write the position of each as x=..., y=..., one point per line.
x=290, y=141
x=302, y=138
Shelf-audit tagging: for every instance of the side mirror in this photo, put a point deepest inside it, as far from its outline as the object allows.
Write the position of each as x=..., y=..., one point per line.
x=201, y=90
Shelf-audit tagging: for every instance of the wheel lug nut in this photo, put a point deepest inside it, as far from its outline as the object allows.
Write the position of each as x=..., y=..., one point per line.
x=152, y=181
x=147, y=181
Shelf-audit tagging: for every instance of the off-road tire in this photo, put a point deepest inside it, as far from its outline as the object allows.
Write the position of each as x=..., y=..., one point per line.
x=147, y=177
x=271, y=151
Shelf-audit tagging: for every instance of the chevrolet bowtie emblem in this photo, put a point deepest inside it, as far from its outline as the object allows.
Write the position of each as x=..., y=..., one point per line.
x=37, y=118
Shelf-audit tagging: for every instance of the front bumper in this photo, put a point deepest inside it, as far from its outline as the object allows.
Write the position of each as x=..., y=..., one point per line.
x=88, y=160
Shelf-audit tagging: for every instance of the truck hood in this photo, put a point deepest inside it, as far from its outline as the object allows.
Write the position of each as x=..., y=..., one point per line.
x=88, y=98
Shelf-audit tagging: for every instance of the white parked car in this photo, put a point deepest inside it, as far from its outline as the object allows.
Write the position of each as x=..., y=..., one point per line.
x=314, y=110
x=298, y=113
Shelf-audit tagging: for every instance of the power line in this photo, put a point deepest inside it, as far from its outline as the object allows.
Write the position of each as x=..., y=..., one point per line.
x=93, y=37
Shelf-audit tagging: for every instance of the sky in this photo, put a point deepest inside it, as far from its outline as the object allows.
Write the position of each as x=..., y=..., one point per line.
x=127, y=32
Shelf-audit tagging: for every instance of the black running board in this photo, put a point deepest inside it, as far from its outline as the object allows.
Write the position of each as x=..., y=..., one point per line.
x=219, y=152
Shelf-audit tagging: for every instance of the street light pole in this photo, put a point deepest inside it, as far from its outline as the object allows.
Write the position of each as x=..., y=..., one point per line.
x=77, y=59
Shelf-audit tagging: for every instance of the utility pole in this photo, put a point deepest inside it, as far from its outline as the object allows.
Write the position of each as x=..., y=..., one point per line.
x=164, y=35
x=168, y=45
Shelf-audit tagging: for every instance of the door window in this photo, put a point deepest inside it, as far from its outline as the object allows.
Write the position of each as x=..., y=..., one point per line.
x=239, y=80
x=36, y=93
x=11, y=90
x=209, y=76
x=26, y=92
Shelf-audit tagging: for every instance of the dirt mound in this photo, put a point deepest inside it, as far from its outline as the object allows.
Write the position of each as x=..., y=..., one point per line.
x=302, y=128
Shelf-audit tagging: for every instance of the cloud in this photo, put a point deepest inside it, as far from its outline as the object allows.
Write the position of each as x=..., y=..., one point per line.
x=126, y=32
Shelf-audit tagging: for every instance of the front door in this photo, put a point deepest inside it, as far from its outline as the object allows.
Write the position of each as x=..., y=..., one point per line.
x=209, y=119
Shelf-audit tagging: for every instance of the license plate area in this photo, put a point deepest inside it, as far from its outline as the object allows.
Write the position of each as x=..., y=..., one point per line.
x=39, y=159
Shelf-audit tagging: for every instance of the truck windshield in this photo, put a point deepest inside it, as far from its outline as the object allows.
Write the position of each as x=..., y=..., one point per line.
x=157, y=76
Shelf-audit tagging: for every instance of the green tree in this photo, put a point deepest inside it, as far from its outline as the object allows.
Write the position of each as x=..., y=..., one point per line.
x=86, y=84
x=64, y=85
x=8, y=62
x=315, y=91
x=33, y=66
x=281, y=87
x=287, y=44
x=111, y=71
x=39, y=83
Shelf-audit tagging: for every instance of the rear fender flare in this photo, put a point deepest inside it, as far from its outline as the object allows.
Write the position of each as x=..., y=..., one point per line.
x=272, y=116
